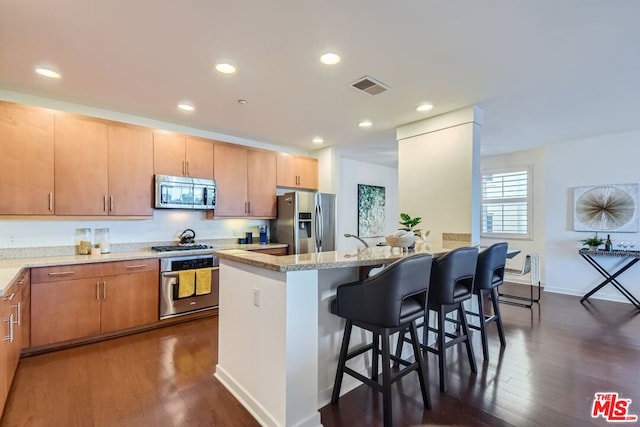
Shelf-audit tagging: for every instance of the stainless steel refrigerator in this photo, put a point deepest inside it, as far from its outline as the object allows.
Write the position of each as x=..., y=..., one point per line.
x=306, y=222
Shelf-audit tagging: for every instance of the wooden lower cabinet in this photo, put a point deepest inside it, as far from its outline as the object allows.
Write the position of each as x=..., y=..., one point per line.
x=11, y=327
x=130, y=300
x=271, y=251
x=82, y=301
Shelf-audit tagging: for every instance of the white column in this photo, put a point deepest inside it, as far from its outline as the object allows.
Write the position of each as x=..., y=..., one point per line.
x=439, y=173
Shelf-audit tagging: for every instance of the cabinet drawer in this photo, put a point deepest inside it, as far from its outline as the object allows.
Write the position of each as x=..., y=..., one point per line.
x=65, y=272
x=271, y=251
x=129, y=267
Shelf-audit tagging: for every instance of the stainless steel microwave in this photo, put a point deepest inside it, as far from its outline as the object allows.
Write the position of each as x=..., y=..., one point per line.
x=179, y=192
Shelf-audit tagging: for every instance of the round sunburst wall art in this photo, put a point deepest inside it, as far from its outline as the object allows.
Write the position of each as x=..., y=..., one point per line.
x=606, y=208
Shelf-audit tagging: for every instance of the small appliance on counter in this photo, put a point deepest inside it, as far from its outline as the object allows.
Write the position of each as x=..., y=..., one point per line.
x=264, y=237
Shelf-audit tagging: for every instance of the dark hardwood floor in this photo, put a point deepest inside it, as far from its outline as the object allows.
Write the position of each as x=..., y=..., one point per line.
x=557, y=357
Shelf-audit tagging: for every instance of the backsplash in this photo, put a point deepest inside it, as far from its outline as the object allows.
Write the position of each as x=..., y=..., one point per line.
x=164, y=226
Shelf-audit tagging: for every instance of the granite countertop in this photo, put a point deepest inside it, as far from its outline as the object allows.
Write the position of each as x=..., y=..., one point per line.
x=10, y=268
x=375, y=255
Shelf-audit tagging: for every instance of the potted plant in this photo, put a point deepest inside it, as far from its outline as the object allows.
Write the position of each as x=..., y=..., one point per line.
x=408, y=223
x=593, y=242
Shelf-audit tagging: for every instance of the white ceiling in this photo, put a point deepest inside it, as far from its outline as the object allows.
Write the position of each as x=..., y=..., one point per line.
x=543, y=70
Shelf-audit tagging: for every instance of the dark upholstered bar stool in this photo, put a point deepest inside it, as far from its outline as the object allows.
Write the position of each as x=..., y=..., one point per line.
x=489, y=275
x=386, y=303
x=452, y=277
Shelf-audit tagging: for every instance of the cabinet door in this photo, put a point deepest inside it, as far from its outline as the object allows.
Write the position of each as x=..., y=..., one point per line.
x=168, y=154
x=130, y=171
x=26, y=160
x=199, y=157
x=307, y=172
x=286, y=171
x=81, y=166
x=5, y=350
x=15, y=303
x=129, y=300
x=64, y=310
x=230, y=171
x=261, y=183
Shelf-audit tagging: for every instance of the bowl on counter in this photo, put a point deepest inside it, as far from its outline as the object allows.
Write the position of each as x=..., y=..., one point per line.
x=404, y=241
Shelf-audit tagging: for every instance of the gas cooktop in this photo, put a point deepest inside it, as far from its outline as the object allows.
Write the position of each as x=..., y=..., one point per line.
x=187, y=247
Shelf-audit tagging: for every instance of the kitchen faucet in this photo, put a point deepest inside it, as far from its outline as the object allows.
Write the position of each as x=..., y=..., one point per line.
x=366, y=245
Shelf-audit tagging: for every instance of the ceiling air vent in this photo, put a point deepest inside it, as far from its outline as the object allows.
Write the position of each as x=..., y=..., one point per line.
x=369, y=85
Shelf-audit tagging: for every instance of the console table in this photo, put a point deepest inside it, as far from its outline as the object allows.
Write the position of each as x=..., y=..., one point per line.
x=631, y=257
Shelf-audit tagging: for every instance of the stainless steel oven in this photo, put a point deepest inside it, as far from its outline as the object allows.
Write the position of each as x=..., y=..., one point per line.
x=190, y=296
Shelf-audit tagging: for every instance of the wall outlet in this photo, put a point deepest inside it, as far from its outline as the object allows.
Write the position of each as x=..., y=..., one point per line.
x=256, y=297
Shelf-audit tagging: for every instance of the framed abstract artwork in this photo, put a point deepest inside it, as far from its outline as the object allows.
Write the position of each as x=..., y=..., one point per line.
x=606, y=208
x=371, y=207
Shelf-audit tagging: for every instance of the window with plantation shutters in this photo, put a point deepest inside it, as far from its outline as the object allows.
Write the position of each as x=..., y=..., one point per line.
x=506, y=203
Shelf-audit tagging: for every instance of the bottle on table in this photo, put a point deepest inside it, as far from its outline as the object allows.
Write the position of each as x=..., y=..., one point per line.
x=608, y=246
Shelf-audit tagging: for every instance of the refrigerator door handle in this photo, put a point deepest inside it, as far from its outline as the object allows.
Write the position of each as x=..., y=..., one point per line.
x=318, y=228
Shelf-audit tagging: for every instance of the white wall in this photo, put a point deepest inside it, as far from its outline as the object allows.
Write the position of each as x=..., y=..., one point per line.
x=353, y=173
x=439, y=172
x=534, y=158
x=607, y=159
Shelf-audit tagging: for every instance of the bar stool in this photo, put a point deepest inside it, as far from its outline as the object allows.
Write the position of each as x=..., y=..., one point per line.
x=452, y=277
x=489, y=276
x=386, y=303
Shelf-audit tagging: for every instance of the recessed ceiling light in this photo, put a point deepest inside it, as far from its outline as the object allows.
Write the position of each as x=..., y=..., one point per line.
x=330, y=58
x=365, y=123
x=48, y=72
x=185, y=106
x=242, y=101
x=317, y=140
x=225, y=68
x=424, y=107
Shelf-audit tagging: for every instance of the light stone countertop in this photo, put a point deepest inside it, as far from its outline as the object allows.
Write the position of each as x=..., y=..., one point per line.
x=10, y=268
x=374, y=255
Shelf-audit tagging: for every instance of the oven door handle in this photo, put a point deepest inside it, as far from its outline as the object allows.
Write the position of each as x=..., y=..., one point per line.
x=177, y=272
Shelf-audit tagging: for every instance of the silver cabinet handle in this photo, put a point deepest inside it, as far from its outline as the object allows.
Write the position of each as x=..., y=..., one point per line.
x=188, y=171
x=110, y=203
x=10, y=297
x=98, y=290
x=61, y=273
x=184, y=168
x=18, y=313
x=136, y=266
x=104, y=290
x=104, y=203
x=10, y=321
x=51, y=202
x=248, y=207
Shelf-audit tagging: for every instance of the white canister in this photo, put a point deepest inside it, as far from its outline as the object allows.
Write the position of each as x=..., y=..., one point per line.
x=102, y=240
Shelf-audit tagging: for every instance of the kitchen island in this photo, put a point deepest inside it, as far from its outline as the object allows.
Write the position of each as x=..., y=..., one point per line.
x=278, y=343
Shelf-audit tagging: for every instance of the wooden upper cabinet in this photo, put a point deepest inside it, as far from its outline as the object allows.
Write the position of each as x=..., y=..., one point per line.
x=261, y=183
x=230, y=172
x=199, y=158
x=179, y=156
x=130, y=171
x=26, y=160
x=168, y=154
x=81, y=166
x=296, y=171
x=245, y=182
